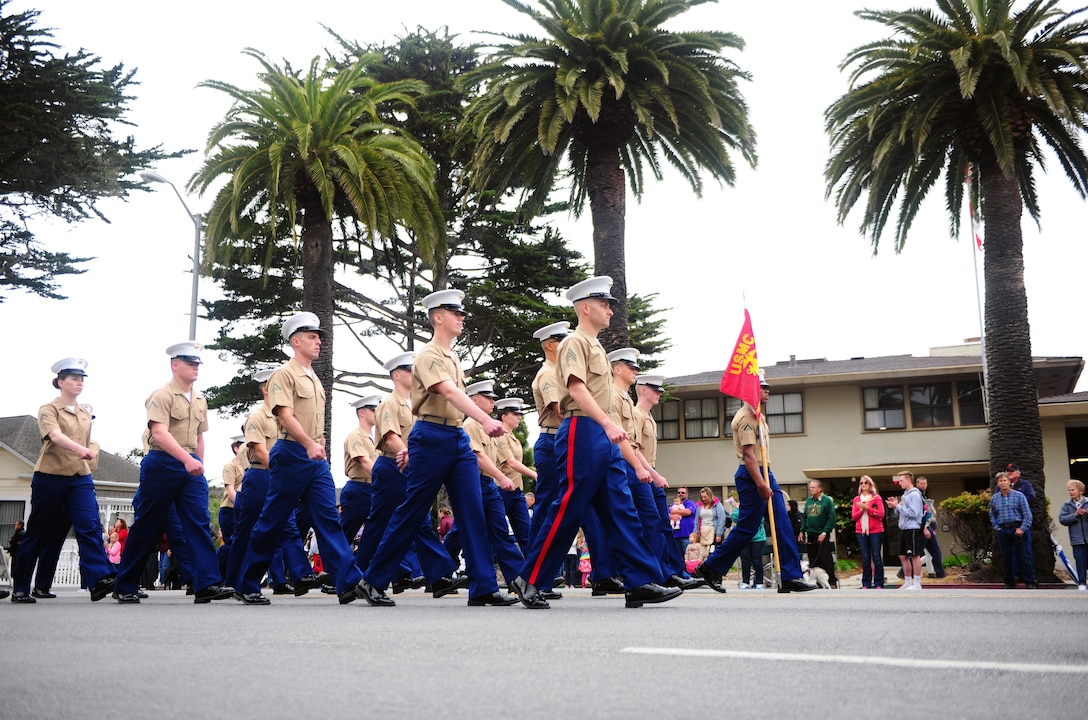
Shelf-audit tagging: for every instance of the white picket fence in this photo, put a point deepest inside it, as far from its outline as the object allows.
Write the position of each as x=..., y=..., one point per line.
x=67, y=574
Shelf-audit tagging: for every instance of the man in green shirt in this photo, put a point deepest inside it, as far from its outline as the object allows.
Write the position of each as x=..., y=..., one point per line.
x=816, y=526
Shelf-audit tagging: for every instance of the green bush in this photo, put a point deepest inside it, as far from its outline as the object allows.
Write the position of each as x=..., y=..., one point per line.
x=968, y=517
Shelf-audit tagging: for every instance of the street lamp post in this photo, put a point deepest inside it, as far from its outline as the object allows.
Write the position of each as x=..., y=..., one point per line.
x=197, y=218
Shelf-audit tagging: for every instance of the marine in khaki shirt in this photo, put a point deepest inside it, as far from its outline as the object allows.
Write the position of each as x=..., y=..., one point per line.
x=583, y=357
x=185, y=418
x=649, y=389
x=433, y=365
x=485, y=447
x=509, y=447
x=394, y=416
x=262, y=432
x=624, y=370
x=298, y=389
x=232, y=475
x=546, y=394
x=74, y=422
x=359, y=455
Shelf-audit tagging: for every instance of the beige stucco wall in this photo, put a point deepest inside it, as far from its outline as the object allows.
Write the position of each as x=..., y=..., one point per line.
x=833, y=438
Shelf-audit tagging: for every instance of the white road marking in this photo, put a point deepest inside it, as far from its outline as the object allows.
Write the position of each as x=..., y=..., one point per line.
x=863, y=660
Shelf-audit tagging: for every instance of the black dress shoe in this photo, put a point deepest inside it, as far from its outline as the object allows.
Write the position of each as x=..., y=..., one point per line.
x=253, y=598
x=283, y=589
x=551, y=595
x=495, y=598
x=650, y=593
x=143, y=596
x=608, y=586
x=676, y=581
x=372, y=595
x=528, y=594
x=4, y=594
x=22, y=598
x=559, y=582
x=448, y=585
x=101, y=589
x=408, y=583
x=43, y=594
x=189, y=590
x=328, y=589
x=711, y=577
x=213, y=592
x=126, y=598
x=305, y=584
x=797, y=585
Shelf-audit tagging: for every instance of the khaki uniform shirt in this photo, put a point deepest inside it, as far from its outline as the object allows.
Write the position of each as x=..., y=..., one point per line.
x=509, y=447
x=546, y=391
x=393, y=415
x=261, y=428
x=623, y=414
x=433, y=365
x=746, y=429
x=582, y=356
x=53, y=459
x=647, y=435
x=291, y=387
x=481, y=442
x=356, y=445
x=232, y=475
x=185, y=420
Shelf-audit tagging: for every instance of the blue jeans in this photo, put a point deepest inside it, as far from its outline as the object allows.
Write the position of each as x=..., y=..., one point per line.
x=872, y=559
x=1080, y=558
x=1016, y=554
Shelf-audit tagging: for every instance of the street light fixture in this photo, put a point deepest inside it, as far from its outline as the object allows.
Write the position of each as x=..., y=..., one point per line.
x=153, y=177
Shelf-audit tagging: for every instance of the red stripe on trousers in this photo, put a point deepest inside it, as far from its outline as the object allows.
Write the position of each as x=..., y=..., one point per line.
x=562, y=505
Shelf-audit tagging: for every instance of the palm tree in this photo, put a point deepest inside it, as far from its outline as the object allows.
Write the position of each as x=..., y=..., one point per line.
x=314, y=143
x=974, y=87
x=613, y=93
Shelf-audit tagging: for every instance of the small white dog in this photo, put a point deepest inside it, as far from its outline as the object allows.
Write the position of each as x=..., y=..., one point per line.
x=817, y=575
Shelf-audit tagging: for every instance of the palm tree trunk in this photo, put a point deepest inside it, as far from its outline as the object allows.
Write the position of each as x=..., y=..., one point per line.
x=318, y=295
x=1015, y=434
x=607, y=189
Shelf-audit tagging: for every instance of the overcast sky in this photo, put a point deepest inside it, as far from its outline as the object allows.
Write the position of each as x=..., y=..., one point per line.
x=813, y=287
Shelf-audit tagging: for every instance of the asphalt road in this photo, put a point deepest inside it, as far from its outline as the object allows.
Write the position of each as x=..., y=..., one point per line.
x=938, y=653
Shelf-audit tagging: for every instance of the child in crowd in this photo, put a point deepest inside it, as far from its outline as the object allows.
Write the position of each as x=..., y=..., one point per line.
x=695, y=553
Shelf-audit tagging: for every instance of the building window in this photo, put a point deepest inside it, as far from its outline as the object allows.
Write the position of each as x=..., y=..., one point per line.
x=701, y=418
x=784, y=414
x=972, y=407
x=667, y=415
x=931, y=405
x=732, y=407
x=884, y=409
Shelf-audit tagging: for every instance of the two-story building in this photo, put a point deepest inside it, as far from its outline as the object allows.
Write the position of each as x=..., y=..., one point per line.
x=836, y=420
x=115, y=480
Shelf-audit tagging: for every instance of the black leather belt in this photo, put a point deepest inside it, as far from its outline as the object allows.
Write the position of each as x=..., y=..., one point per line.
x=549, y=430
x=574, y=413
x=1009, y=526
x=440, y=420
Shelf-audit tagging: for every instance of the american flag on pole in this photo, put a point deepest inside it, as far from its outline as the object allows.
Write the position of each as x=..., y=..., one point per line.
x=976, y=226
x=741, y=376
